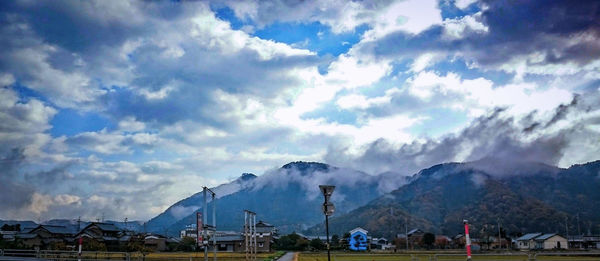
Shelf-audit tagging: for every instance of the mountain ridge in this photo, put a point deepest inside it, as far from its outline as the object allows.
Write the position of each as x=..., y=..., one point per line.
x=445, y=194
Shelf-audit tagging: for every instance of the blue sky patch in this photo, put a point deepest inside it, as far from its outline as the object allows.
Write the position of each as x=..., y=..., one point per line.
x=70, y=122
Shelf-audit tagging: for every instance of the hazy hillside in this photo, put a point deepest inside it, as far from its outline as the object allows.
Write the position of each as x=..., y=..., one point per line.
x=524, y=196
x=287, y=197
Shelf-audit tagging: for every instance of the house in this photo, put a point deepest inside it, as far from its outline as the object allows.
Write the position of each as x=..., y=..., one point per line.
x=550, y=241
x=415, y=237
x=105, y=233
x=527, y=241
x=591, y=241
x=189, y=231
x=27, y=239
x=381, y=244
x=541, y=241
x=442, y=241
x=265, y=234
x=50, y=234
x=358, y=239
x=230, y=243
x=460, y=241
x=584, y=242
x=155, y=242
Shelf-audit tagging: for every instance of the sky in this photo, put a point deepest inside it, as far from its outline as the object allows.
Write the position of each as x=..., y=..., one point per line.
x=122, y=108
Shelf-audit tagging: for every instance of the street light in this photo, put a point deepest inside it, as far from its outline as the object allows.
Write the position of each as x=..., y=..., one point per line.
x=328, y=210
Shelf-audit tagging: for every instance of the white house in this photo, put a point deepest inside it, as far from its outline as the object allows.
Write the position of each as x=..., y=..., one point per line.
x=551, y=241
x=527, y=241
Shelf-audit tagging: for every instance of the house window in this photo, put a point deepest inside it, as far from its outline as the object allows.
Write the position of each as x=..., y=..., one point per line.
x=260, y=244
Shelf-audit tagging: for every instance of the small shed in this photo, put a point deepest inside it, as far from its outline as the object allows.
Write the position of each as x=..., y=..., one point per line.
x=551, y=241
x=527, y=241
x=358, y=239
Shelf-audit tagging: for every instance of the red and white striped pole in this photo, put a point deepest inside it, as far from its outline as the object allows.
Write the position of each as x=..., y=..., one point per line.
x=468, y=239
x=79, y=253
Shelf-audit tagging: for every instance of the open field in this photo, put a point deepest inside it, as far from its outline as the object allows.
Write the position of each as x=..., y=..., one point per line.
x=428, y=256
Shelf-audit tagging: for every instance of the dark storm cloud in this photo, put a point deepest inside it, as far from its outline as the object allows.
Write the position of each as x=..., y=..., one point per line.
x=562, y=31
x=497, y=135
x=15, y=194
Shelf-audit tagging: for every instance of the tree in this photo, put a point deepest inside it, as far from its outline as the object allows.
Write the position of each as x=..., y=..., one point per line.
x=7, y=227
x=187, y=244
x=428, y=239
x=291, y=242
x=317, y=244
x=335, y=241
x=93, y=245
x=301, y=244
x=345, y=240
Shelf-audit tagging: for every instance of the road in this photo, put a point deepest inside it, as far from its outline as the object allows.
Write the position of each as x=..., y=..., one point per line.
x=289, y=256
x=12, y=258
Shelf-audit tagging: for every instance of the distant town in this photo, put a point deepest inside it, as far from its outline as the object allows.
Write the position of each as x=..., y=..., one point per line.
x=101, y=236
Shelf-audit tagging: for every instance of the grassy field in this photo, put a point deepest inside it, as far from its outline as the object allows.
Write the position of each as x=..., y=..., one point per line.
x=427, y=256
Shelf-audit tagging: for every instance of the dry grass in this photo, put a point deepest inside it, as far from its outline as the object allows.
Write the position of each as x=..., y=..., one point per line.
x=430, y=256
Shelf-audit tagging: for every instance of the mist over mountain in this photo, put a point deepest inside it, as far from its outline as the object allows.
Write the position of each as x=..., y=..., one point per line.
x=522, y=196
x=287, y=197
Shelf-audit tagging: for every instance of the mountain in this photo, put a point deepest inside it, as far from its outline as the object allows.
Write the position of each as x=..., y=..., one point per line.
x=185, y=207
x=287, y=197
x=24, y=225
x=524, y=196
x=137, y=226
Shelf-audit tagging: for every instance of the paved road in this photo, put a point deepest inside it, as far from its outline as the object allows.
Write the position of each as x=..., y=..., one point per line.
x=12, y=258
x=289, y=256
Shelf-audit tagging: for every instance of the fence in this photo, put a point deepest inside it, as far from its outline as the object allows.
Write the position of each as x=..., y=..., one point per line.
x=124, y=256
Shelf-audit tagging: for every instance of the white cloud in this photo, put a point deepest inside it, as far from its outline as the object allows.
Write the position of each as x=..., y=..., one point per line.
x=355, y=101
x=479, y=95
x=462, y=4
x=412, y=16
x=6, y=79
x=457, y=27
x=131, y=124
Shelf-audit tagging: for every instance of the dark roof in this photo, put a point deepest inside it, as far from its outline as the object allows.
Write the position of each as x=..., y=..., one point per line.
x=229, y=238
x=545, y=236
x=528, y=236
x=263, y=224
x=107, y=227
x=27, y=235
x=56, y=229
x=415, y=230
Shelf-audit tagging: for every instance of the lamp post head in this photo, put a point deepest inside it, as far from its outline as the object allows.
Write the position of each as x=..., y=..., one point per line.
x=327, y=190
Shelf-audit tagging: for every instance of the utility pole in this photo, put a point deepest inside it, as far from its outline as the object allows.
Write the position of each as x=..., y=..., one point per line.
x=206, y=226
x=406, y=231
x=250, y=234
x=499, y=235
x=578, y=227
x=567, y=229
